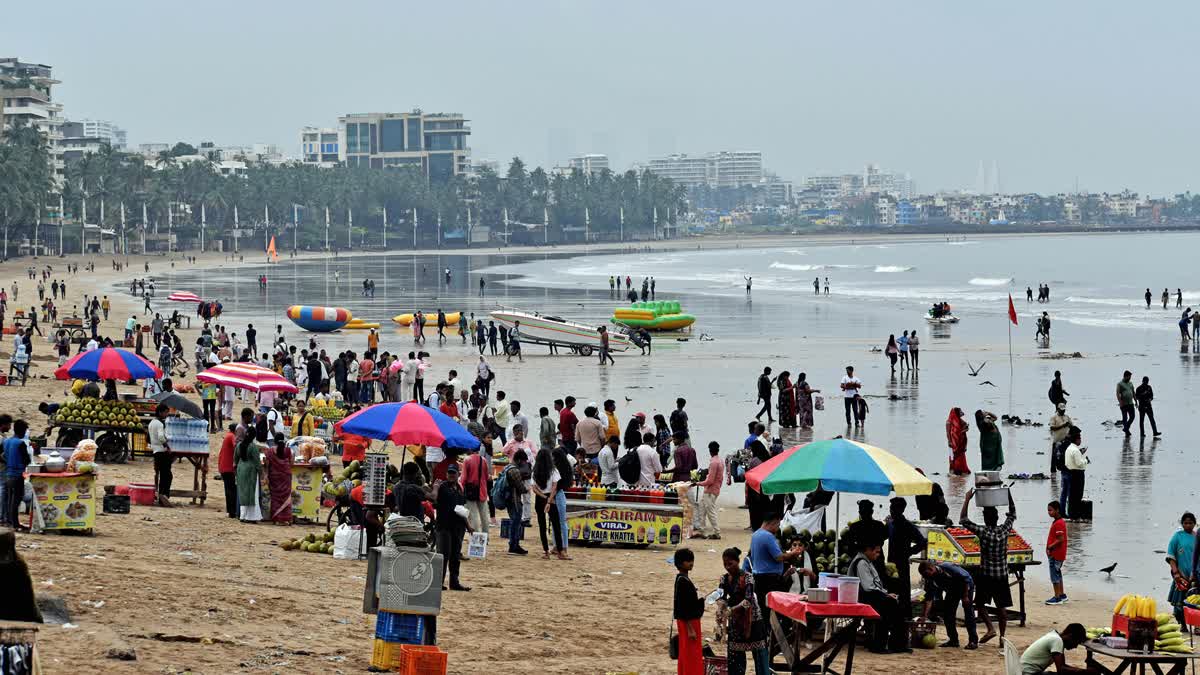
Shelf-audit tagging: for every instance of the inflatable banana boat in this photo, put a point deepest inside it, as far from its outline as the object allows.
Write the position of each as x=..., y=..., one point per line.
x=430, y=319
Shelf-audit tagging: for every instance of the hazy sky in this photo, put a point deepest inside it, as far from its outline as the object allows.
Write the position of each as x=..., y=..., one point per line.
x=1100, y=93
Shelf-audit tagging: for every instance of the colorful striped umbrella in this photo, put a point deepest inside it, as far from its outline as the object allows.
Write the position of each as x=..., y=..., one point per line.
x=408, y=424
x=107, y=364
x=183, y=296
x=838, y=465
x=247, y=376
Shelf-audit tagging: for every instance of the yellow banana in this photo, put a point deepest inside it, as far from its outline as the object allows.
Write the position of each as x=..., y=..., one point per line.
x=1121, y=604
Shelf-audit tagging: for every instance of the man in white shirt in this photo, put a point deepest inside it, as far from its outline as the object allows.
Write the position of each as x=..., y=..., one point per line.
x=157, y=431
x=850, y=386
x=591, y=433
x=92, y=345
x=275, y=420
x=518, y=417
x=455, y=385
x=609, y=475
x=651, y=464
x=1075, y=463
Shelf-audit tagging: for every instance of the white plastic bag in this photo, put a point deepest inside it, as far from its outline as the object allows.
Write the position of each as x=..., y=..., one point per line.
x=346, y=542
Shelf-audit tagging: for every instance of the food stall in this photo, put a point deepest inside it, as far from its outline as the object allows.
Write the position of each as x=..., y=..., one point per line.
x=959, y=546
x=65, y=491
x=309, y=466
x=114, y=425
x=659, y=515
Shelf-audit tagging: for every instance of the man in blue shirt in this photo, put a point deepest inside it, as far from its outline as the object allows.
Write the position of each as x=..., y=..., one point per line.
x=16, y=458
x=768, y=561
x=950, y=584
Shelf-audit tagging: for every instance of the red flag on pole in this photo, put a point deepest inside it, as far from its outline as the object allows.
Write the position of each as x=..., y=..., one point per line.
x=1012, y=311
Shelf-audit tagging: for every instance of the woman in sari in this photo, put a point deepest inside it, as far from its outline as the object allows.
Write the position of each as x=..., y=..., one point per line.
x=279, y=479
x=956, y=438
x=746, y=630
x=249, y=464
x=787, y=400
x=991, y=446
x=804, y=401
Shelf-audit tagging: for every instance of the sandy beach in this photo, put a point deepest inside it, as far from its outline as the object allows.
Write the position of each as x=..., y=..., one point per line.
x=193, y=591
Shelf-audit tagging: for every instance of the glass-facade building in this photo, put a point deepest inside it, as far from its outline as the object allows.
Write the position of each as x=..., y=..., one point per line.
x=434, y=143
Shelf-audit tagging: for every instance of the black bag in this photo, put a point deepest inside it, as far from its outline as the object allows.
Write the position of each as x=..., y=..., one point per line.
x=672, y=642
x=629, y=467
x=261, y=429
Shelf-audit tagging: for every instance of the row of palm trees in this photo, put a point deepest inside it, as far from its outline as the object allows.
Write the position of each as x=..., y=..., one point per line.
x=308, y=207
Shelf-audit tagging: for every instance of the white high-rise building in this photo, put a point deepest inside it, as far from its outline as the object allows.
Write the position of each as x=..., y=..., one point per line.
x=25, y=95
x=716, y=169
x=590, y=164
x=104, y=131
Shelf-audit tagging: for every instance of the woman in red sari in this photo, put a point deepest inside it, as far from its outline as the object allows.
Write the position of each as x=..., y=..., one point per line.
x=279, y=478
x=787, y=400
x=956, y=438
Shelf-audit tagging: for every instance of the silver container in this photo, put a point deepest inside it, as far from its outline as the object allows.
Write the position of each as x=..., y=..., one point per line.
x=819, y=595
x=992, y=496
x=987, y=478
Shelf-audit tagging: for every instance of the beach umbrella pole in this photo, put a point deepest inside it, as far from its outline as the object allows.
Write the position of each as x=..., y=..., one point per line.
x=837, y=522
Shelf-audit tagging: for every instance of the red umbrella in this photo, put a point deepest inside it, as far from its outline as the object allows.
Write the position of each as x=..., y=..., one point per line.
x=183, y=296
x=247, y=376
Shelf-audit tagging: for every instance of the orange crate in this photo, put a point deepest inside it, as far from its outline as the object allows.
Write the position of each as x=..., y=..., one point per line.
x=422, y=660
x=386, y=655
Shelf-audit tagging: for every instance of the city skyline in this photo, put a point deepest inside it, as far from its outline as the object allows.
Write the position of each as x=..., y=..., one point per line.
x=1067, y=109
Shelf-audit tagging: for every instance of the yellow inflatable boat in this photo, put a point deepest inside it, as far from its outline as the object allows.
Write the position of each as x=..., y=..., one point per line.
x=430, y=319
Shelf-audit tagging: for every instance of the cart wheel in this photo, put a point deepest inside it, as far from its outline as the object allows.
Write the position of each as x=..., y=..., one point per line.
x=112, y=447
x=69, y=438
x=585, y=350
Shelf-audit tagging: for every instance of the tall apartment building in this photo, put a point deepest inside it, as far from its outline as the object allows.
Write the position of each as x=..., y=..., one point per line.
x=88, y=136
x=319, y=146
x=589, y=164
x=25, y=97
x=897, y=185
x=835, y=188
x=103, y=130
x=715, y=169
x=436, y=143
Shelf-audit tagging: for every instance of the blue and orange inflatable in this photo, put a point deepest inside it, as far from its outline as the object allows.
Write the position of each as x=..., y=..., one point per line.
x=319, y=319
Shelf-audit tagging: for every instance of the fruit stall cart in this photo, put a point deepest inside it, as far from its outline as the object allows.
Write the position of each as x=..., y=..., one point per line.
x=114, y=425
x=67, y=500
x=659, y=515
x=959, y=546
x=309, y=467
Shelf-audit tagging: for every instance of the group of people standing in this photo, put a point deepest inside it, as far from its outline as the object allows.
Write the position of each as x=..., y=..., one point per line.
x=795, y=399
x=906, y=350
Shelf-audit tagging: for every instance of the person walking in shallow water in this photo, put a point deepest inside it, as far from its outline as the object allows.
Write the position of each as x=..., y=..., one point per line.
x=1178, y=298
x=749, y=282
x=1148, y=298
x=1166, y=297
x=817, y=286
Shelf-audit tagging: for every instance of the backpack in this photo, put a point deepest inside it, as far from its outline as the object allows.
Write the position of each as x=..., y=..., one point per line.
x=500, y=491
x=261, y=429
x=629, y=467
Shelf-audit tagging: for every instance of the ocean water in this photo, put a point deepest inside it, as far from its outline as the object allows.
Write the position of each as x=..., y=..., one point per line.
x=1138, y=486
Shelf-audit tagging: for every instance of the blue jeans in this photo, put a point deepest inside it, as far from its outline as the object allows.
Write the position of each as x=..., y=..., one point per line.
x=368, y=391
x=560, y=500
x=1065, y=478
x=736, y=662
x=1055, y=571
x=516, y=526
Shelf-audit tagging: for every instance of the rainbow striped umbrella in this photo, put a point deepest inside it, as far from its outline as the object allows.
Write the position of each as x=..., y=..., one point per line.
x=408, y=424
x=247, y=376
x=107, y=364
x=838, y=465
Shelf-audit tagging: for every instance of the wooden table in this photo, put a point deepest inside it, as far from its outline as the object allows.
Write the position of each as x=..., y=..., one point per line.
x=199, y=462
x=1138, y=663
x=796, y=608
x=1017, y=572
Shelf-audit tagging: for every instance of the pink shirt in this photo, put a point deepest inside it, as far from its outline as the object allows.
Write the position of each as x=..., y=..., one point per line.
x=716, y=475
x=512, y=446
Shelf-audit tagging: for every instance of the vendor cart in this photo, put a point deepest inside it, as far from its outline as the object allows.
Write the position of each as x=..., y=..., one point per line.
x=113, y=445
x=959, y=546
x=306, y=490
x=188, y=439
x=67, y=501
x=630, y=516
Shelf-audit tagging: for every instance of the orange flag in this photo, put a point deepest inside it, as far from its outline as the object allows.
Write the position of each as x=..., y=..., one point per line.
x=275, y=257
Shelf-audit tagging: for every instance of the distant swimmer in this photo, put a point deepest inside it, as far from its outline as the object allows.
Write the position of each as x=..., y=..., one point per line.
x=817, y=286
x=749, y=283
x=1166, y=297
x=1149, y=297
x=1028, y=294
x=1178, y=298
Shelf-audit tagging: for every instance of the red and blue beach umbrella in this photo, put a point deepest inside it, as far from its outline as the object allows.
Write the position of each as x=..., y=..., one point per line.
x=107, y=364
x=408, y=424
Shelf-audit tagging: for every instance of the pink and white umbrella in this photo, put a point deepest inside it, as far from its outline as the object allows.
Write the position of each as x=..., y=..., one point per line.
x=183, y=296
x=247, y=376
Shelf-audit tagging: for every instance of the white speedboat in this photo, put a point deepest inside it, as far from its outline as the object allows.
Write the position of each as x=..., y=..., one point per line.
x=945, y=318
x=552, y=330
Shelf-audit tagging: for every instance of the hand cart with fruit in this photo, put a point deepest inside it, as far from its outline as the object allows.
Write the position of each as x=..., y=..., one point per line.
x=114, y=425
x=961, y=547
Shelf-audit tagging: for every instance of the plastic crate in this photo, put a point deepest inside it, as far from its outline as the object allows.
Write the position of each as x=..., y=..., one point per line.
x=386, y=655
x=116, y=503
x=402, y=628
x=422, y=660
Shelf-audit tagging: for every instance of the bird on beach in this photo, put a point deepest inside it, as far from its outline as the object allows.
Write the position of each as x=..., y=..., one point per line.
x=989, y=382
x=974, y=370
x=1109, y=570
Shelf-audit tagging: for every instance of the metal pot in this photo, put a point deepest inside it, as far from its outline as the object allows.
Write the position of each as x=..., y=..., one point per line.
x=54, y=463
